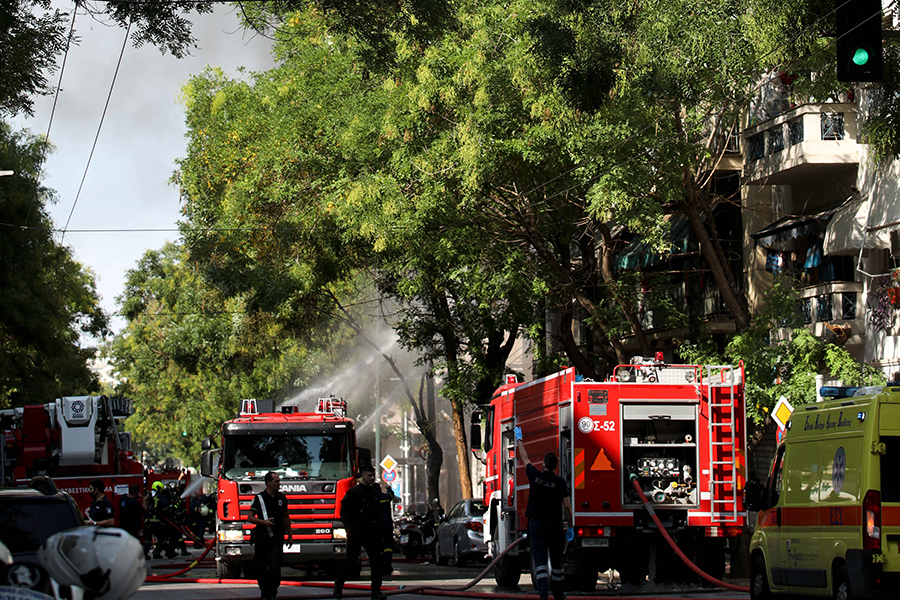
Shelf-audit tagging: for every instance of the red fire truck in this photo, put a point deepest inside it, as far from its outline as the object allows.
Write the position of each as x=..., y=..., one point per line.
x=73, y=440
x=678, y=429
x=316, y=457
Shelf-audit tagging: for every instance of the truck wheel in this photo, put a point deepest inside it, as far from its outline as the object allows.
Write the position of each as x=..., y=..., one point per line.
x=225, y=570
x=507, y=571
x=759, y=581
x=841, y=584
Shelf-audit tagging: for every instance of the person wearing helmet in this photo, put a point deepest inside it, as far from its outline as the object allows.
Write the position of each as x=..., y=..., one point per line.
x=268, y=512
x=159, y=511
x=101, y=512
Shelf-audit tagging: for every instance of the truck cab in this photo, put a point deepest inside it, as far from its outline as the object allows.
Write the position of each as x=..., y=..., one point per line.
x=316, y=457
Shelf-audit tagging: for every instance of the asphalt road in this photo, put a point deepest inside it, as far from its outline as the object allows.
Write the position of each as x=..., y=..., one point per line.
x=201, y=583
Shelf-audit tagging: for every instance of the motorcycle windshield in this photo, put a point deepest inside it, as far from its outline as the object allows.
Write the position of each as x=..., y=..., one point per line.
x=306, y=456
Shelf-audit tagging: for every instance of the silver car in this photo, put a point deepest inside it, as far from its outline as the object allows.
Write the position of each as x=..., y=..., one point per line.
x=460, y=535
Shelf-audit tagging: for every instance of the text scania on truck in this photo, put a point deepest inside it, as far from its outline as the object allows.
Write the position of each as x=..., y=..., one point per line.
x=678, y=429
x=316, y=457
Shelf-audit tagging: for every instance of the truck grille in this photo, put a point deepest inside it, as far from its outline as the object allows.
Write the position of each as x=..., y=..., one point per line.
x=312, y=515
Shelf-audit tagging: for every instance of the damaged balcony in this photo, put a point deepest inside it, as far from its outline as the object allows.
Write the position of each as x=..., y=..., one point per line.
x=809, y=141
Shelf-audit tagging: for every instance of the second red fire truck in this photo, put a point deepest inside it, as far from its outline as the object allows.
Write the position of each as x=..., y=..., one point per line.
x=316, y=457
x=678, y=430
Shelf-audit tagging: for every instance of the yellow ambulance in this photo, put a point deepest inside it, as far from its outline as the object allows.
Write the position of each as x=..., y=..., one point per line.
x=829, y=513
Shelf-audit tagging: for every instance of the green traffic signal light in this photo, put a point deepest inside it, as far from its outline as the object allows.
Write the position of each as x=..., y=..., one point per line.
x=860, y=57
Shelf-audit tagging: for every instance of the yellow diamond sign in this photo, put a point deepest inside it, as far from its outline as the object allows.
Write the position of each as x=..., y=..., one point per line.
x=388, y=463
x=782, y=412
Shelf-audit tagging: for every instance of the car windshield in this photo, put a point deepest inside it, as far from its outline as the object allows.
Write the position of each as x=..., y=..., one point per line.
x=478, y=508
x=315, y=456
x=26, y=523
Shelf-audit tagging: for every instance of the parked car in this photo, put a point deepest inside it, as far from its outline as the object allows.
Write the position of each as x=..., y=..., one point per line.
x=460, y=535
x=29, y=516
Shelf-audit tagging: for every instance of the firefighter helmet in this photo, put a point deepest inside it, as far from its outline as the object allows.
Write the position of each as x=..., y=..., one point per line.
x=106, y=562
x=157, y=486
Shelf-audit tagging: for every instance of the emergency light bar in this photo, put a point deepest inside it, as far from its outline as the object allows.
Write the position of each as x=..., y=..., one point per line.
x=332, y=406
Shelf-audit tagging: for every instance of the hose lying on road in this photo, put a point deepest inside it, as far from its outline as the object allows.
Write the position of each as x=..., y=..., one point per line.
x=184, y=570
x=432, y=590
x=681, y=555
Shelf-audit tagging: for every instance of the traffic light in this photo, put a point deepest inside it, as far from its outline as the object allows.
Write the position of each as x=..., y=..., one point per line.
x=858, y=40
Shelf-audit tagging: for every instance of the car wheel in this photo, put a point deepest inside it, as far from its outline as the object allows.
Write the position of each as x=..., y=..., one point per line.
x=841, y=584
x=439, y=558
x=759, y=581
x=458, y=557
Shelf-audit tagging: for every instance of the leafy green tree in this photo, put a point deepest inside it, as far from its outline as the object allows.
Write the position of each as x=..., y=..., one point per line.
x=31, y=38
x=188, y=354
x=49, y=304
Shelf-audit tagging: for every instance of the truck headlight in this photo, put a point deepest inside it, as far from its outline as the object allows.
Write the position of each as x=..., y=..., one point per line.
x=339, y=533
x=231, y=535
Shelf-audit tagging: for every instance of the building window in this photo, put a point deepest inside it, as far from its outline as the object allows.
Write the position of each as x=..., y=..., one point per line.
x=824, y=308
x=776, y=140
x=756, y=147
x=832, y=126
x=848, y=306
x=806, y=310
x=795, y=131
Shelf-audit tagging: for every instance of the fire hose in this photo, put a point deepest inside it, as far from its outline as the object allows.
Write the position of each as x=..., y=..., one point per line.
x=681, y=555
x=435, y=590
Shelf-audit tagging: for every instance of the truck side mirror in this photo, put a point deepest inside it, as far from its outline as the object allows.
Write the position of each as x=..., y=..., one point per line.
x=209, y=462
x=753, y=496
x=207, y=444
x=363, y=457
x=475, y=431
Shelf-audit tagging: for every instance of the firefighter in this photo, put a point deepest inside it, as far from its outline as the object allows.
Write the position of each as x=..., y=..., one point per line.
x=269, y=512
x=386, y=500
x=161, y=508
x=361, y=515
x=101, y=512
x=201, y=510
x=548, y=498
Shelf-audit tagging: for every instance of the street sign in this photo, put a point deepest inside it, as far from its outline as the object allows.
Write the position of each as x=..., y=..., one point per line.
x=388, y=463
x=782, y=412
x=389, y=476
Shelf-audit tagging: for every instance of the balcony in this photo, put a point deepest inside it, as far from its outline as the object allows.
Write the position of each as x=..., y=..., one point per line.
x=839, y=303
x=806, y=142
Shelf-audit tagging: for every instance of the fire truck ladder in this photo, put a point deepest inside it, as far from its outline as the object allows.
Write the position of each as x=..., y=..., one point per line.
x=723, y=468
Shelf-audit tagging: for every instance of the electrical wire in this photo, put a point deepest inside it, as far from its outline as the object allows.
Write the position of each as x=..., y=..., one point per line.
x=99, y=127
x=46, y=145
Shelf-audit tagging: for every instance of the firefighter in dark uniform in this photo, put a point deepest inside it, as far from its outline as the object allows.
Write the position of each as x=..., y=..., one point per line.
x=270, y=515
x=548, y=498
x=101, y=511
x=386, y=501
x=361, y=515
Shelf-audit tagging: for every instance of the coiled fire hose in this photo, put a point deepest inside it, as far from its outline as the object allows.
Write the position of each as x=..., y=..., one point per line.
x=681, y=555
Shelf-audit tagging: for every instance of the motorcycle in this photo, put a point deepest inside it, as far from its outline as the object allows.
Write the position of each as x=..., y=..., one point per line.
x=417, y=533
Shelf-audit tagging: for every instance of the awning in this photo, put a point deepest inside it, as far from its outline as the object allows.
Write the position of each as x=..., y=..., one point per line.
x=791, y=228
x=844, y=234
x=639, y=254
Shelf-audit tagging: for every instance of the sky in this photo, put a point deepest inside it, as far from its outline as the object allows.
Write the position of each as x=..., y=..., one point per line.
x=126, y=187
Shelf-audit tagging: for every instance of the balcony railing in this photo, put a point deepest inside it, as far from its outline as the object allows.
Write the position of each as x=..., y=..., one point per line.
x=811, y=134
x=836, y=303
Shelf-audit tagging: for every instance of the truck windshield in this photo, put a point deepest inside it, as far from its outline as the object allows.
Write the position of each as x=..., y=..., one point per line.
x=314, y=456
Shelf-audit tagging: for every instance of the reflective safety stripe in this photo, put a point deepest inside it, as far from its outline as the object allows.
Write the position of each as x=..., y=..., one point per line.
x=265, y=515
